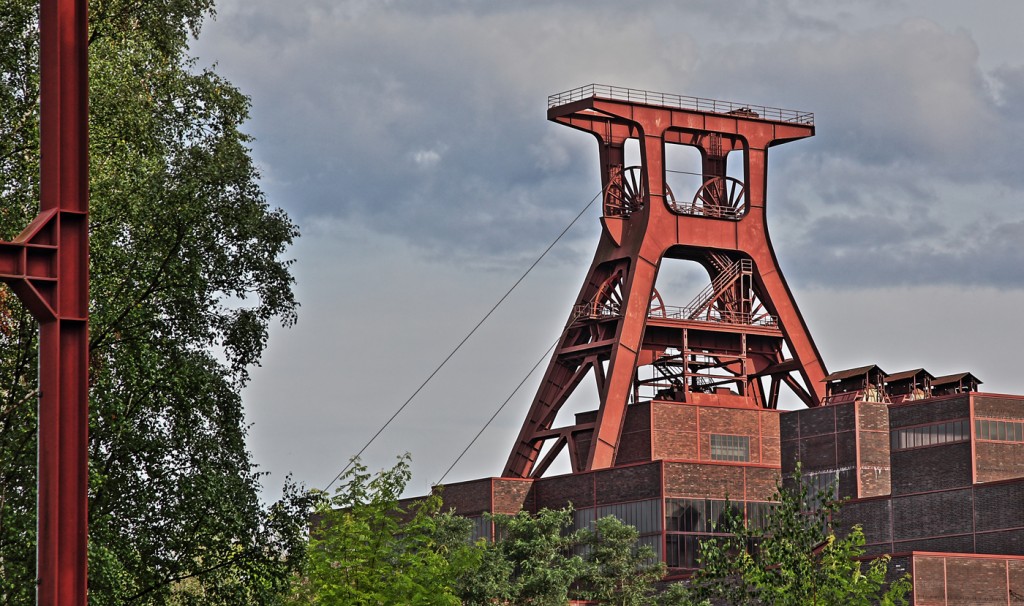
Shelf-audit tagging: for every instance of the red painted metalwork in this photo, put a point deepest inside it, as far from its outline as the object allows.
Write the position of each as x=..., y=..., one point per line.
x=733, y=334
x=47, y=266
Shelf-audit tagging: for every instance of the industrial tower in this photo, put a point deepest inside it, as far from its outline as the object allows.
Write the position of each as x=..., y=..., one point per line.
x=737, y=342
x=686, y=427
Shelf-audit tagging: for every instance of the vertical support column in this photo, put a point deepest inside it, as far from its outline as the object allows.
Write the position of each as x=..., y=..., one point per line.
x=639, y=284
x=771, y=283
x=63, y=340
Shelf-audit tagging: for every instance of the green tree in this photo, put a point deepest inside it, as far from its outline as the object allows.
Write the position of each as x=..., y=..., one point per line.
x=187, y=275
x=367, y=547
x=620, y=571
x=367, y=550
x=529, y=562
x=795, y=559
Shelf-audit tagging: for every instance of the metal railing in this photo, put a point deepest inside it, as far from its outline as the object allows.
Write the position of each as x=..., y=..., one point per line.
x=693, y=313
x=715, y=212
x=705, y=297
x=591, y=311
x=618, y=93
x=594, y=311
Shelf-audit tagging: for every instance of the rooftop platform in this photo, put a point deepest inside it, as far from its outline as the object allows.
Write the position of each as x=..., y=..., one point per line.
x=632, y=95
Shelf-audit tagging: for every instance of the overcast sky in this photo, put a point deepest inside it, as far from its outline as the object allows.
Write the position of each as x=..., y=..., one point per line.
x=408, y=140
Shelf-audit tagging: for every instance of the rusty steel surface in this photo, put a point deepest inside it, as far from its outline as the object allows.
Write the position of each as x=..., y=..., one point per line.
x=732, y=336
x=47, y=266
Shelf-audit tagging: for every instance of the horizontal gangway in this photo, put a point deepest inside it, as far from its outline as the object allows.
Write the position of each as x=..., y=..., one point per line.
x=606, y=305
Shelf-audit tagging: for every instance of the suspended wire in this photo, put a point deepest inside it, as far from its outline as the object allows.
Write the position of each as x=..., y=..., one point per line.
x=497, y=412
x=571, y=321
x=684, y=172
x=462, y=342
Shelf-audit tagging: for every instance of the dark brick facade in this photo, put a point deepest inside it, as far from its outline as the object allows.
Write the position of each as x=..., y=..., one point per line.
x=963, y=580
x=956, y=507
x=952, y=512
x=996, y=460
x=848, y=442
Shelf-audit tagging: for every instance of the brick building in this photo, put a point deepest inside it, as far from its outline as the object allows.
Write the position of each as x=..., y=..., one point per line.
x=936, y=481
x=687, y=412
x=678, y=464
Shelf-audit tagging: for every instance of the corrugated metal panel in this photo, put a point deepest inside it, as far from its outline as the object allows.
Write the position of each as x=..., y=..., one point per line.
x=907, y=374
x=954, y=378
x=853, y=372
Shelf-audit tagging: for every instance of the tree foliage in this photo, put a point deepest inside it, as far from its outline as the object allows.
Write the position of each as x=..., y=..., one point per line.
x=366, y=549
x=795, y=559
x=187, y=274
x=529, y=563
x=620, y=571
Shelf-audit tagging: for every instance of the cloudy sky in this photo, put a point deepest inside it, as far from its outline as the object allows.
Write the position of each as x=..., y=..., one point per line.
x=408, y=139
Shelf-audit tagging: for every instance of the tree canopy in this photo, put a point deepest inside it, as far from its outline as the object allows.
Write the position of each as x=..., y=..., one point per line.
x=794, y=558
x=188, y=272
x=366, y=549
x=369, y=548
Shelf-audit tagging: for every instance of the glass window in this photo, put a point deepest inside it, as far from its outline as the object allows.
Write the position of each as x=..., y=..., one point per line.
x=683, y=550
x=644, y=515
x=730, y=448
x=481, y=528
x=1005, y=431
x=757, y=514
x=685, y=515
x=937, y=433
x=582, y=518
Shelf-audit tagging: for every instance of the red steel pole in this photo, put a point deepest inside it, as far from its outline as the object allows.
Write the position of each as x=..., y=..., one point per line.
x=63, y=333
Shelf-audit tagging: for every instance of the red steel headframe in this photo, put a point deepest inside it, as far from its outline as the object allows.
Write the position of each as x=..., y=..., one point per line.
x=47, y=266
x=644, y=224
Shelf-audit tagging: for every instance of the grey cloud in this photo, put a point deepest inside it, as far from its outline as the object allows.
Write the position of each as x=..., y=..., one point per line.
x=970, y=258
x=390, y=85
x=844, y=232
x=909, y=93
x=427, y=121
x=408, y=139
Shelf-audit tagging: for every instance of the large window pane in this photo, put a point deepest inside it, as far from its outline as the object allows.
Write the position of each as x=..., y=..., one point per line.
x=940, y=433
x=730, y=448
x=686, y=515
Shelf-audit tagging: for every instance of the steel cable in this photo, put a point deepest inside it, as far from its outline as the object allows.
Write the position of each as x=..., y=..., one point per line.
x=462, y=342
x=497, y=412
x=571, y=321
